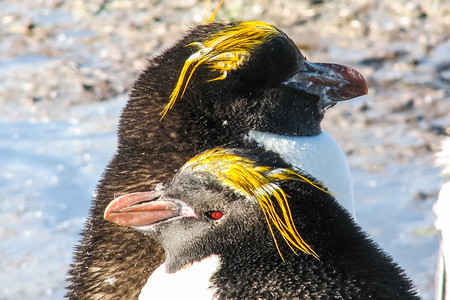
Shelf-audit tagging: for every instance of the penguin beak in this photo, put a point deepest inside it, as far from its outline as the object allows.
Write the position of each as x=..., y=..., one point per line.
x=331, y=82
x=145, y=208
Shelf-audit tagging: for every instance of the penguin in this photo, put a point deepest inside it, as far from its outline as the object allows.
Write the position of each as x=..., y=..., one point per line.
x=222, y=84
x=261, y=230
x=442, y=211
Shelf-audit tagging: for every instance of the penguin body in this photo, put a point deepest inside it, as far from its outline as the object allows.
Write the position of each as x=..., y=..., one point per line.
x=214, y=211
x=442, y=210
x=210, y=89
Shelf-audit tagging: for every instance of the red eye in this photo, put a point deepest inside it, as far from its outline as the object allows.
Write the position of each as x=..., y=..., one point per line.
x=215, y=215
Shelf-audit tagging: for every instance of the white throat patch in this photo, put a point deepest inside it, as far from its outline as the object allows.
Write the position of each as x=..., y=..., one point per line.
x=319, y=156
x=189, y=283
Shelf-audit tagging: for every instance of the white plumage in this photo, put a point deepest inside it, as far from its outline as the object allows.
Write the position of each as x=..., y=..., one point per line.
x=190, y=283
x=319, y=156
x=442, y=211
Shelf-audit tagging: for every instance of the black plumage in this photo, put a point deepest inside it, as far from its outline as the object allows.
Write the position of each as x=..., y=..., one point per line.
x=114, y=263
x=350, y=265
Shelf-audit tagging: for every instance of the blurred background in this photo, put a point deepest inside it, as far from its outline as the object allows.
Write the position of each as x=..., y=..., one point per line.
x=66, y=68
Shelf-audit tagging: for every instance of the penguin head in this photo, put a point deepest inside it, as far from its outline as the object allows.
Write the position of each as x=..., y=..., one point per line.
x=247, y=75
x=219, y=201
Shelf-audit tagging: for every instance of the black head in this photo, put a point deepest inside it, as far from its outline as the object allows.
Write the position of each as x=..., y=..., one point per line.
x=220, y=200
x=236, y=77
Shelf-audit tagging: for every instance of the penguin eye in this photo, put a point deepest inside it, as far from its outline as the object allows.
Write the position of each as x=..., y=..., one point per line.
x=214, y=215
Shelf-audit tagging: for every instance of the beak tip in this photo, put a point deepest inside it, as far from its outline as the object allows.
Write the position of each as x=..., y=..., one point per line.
x=366, y=89
x=363, y=84
x=357, y=84
x=109, y=209
x=105, y=216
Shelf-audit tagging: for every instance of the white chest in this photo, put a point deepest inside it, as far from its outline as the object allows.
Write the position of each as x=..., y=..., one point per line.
x=319, y=156
x=191, y=282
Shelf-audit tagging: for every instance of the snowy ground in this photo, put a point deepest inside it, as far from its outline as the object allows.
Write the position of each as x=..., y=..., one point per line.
x=58, y=59
x=48, y=173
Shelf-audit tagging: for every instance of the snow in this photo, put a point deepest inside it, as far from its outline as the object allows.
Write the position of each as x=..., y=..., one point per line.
x=402, y=227
x=48, y=172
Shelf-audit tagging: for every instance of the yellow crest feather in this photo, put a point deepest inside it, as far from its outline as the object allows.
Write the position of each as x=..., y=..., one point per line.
x=213, y=15
x=260, y=183
x=222, y=52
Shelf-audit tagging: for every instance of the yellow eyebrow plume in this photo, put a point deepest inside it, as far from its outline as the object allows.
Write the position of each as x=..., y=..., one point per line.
x=260, y=183
x=223, y=51
x=205, y=11
x=213, y=15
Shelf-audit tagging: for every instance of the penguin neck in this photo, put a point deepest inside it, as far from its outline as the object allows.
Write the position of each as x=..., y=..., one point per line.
x=182, y=129
x=261, y=272
x=319, y=156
